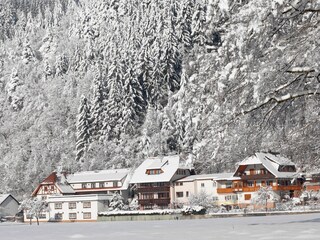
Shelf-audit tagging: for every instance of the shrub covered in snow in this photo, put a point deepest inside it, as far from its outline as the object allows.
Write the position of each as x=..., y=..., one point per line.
x=188, y=210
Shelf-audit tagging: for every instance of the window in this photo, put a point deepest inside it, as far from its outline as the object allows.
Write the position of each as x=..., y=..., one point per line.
x=269, y=183
x=179, y=184
x=215, y=199
x=72, y=205
x=58, y=216
x=163, y=195
x=147, y=196
x=52, y=188
x=46, y=189
x=187, y=194
x=87, y=215
x=93, y=185
x=43, y=198
x=84, y=185
x=72, y=216
x=252, y=172
x=42, y=216
x=115, y=184
x=179, y=194
x=202, y=184
x=86, y=204
x=154, y=171
x=231, y=197
x=247, y=196
x=101, y=185
x=181, y=172
x=58, y=205
x=250, y=183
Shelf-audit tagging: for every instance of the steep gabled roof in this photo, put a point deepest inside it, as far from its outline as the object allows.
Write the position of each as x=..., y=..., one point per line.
x=168, y=164
x=52, y=178
x=98, y=176
x=4, y=197
x=271, y=162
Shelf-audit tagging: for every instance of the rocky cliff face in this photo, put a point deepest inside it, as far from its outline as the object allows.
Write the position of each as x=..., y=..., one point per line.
x=95, y=84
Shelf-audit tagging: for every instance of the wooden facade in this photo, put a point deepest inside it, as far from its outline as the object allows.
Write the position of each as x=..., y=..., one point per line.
x=153, y=194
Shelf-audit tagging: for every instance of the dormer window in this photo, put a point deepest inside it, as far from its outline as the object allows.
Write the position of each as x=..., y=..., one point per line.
x=154, y=171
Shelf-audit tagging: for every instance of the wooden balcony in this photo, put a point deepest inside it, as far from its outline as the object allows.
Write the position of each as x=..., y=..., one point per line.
x=153, y=189
x=254, y=189
x=159, y=202
x=287, y=188
x=225, y=190
x=257, y=177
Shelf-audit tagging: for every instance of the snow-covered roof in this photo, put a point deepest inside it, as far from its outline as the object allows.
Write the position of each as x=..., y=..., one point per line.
x=64, y=188
x=98, y=176
x=215, y=176
x=271, y=162
x=78, y=197
x=168, y=164
x=3, y=197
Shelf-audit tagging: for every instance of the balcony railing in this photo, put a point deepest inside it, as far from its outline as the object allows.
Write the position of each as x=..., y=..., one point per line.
x=159, y=202
x=253, y=189
x=153, y=189
x=257, y=176
x=287, y=188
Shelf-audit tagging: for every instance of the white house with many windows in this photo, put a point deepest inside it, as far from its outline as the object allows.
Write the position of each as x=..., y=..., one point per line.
x=100, y=182
x=76, y=208
x=69, y=196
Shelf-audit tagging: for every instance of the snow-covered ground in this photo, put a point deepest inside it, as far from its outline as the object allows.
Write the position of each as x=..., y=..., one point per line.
x=305, y=226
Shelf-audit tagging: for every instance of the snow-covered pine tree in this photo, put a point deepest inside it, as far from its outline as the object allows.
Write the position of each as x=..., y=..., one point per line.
x=61, y=65
x=131, y=107
x=83, y=129
x=185, y=23
x=47, y=70
x=171, y=58
x=156, y=89
x=27, y=53
x=15, y=96
x=99, y=96
x=114, y=104
x=198, y=23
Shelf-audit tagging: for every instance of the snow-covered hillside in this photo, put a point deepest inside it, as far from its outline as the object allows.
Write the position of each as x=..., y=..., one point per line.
x=97, y=84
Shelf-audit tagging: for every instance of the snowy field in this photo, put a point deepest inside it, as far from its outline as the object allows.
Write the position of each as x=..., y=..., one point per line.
x=305, y=226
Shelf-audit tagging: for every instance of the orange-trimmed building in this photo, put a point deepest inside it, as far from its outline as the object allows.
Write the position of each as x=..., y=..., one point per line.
x=262, y=169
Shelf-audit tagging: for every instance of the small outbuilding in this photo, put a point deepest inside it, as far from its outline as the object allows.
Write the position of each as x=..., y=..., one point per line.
x=9, y=206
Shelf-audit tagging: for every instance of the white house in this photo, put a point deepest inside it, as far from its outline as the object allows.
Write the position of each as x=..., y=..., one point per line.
x=74, y=208
x=100, y=182
x=184, y=188
x=8, y=205
x=77, y=208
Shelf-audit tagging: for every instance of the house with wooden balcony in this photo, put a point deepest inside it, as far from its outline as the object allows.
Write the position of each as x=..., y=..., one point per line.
x=261, y=169
x=153, y=180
